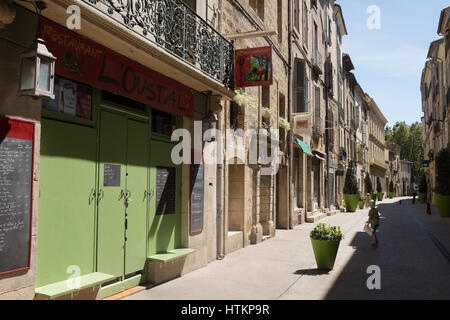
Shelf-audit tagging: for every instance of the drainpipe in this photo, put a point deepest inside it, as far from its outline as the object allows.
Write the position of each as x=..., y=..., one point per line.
x=220, y=217
x=289, y=135
x=220, y=196
x=327, y=119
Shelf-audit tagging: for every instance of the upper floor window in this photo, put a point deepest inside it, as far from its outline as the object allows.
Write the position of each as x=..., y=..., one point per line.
x=329, y=30
x=305, y=24
x=280, y=20
x=301, y=87
x=258, y=7
x=297, y=14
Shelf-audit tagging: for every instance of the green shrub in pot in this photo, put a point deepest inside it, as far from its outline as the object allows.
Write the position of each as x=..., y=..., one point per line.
x=380, y=193
x=351, y=192
x=325, y=241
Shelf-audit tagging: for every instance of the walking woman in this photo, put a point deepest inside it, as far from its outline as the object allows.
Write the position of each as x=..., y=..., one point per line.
x=429, y=199
x=368, y=200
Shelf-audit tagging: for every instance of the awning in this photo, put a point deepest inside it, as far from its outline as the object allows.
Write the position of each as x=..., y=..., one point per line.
x=304, y=147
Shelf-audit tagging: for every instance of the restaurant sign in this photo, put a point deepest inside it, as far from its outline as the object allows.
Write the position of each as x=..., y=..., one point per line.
x=85, y=61
x=253, y=67
x=303, y=124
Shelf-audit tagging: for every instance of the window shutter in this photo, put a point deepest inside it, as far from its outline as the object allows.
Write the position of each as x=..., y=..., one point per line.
x=301, y=93
x=305, y=89
x=317, y=101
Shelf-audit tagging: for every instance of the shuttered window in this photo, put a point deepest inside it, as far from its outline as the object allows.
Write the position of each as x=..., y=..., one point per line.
x=305, y=24
x=301, y=87
x=297, y=14
x=317, y=102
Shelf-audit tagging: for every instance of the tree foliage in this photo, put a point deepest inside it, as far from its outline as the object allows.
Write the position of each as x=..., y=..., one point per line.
x=409, y=138
x=350, y=184
x=423, y=187
x=379, y=189
x=368, y=183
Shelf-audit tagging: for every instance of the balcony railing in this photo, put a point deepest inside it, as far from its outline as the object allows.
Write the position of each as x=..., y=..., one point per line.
x=317, y=127
x=173, y=26
x=341, y=112
x=317, y=61
x=342, y=154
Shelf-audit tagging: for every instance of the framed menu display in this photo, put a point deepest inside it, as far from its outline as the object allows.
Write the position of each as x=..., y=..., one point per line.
x=16, y=189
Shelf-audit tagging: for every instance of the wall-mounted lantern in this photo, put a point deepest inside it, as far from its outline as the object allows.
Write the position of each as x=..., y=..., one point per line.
x=7, y=13
x=209, y=123
x=37, y=71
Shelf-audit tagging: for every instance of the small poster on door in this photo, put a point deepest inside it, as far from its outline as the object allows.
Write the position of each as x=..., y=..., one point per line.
x=84, y=102
x=69, y=96
x=111, y=175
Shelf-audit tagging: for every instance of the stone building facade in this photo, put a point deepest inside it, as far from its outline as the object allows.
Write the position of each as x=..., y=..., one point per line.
x=436, y=99
x=190, y=213
x=377, y=161
x=394, y=172
x=154, y=88
x=254, y=203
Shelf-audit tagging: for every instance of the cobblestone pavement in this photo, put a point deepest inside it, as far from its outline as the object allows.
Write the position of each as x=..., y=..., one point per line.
x=412, y=256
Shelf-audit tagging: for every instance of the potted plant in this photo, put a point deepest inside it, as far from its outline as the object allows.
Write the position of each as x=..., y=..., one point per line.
x=325, y=242
x=380, y=194
x=391, y=190
x=423, y=189
x=245, y=101
x=283, y=123
x=351, y=193
x=443, y=182
x=361, y=202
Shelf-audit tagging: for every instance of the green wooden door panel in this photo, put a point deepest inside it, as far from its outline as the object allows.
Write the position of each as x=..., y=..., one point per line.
x=66, y=231
x=111, y=208
x=137, y=185
x=164, y=232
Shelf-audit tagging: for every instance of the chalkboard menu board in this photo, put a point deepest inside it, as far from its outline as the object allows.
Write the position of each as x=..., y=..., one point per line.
x=16, y=177
x=165, y=190
x=196, y=216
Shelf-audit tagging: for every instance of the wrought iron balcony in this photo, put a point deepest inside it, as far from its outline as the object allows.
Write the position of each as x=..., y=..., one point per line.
x=342, y=154
x=317, y=127
x=173, y=26
x=341, y=112
x=317, y=62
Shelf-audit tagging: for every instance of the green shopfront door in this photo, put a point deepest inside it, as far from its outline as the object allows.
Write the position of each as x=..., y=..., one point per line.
x=123, y=193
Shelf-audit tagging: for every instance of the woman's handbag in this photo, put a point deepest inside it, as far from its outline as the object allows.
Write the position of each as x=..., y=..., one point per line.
x=368, y=229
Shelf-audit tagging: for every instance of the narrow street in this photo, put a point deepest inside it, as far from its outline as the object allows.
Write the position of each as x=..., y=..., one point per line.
x=411, y=263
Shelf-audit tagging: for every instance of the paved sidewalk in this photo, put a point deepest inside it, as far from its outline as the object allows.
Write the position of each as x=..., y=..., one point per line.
x=284, y=267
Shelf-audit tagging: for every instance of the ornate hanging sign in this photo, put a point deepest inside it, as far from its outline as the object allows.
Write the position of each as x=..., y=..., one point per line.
x=253, y=67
